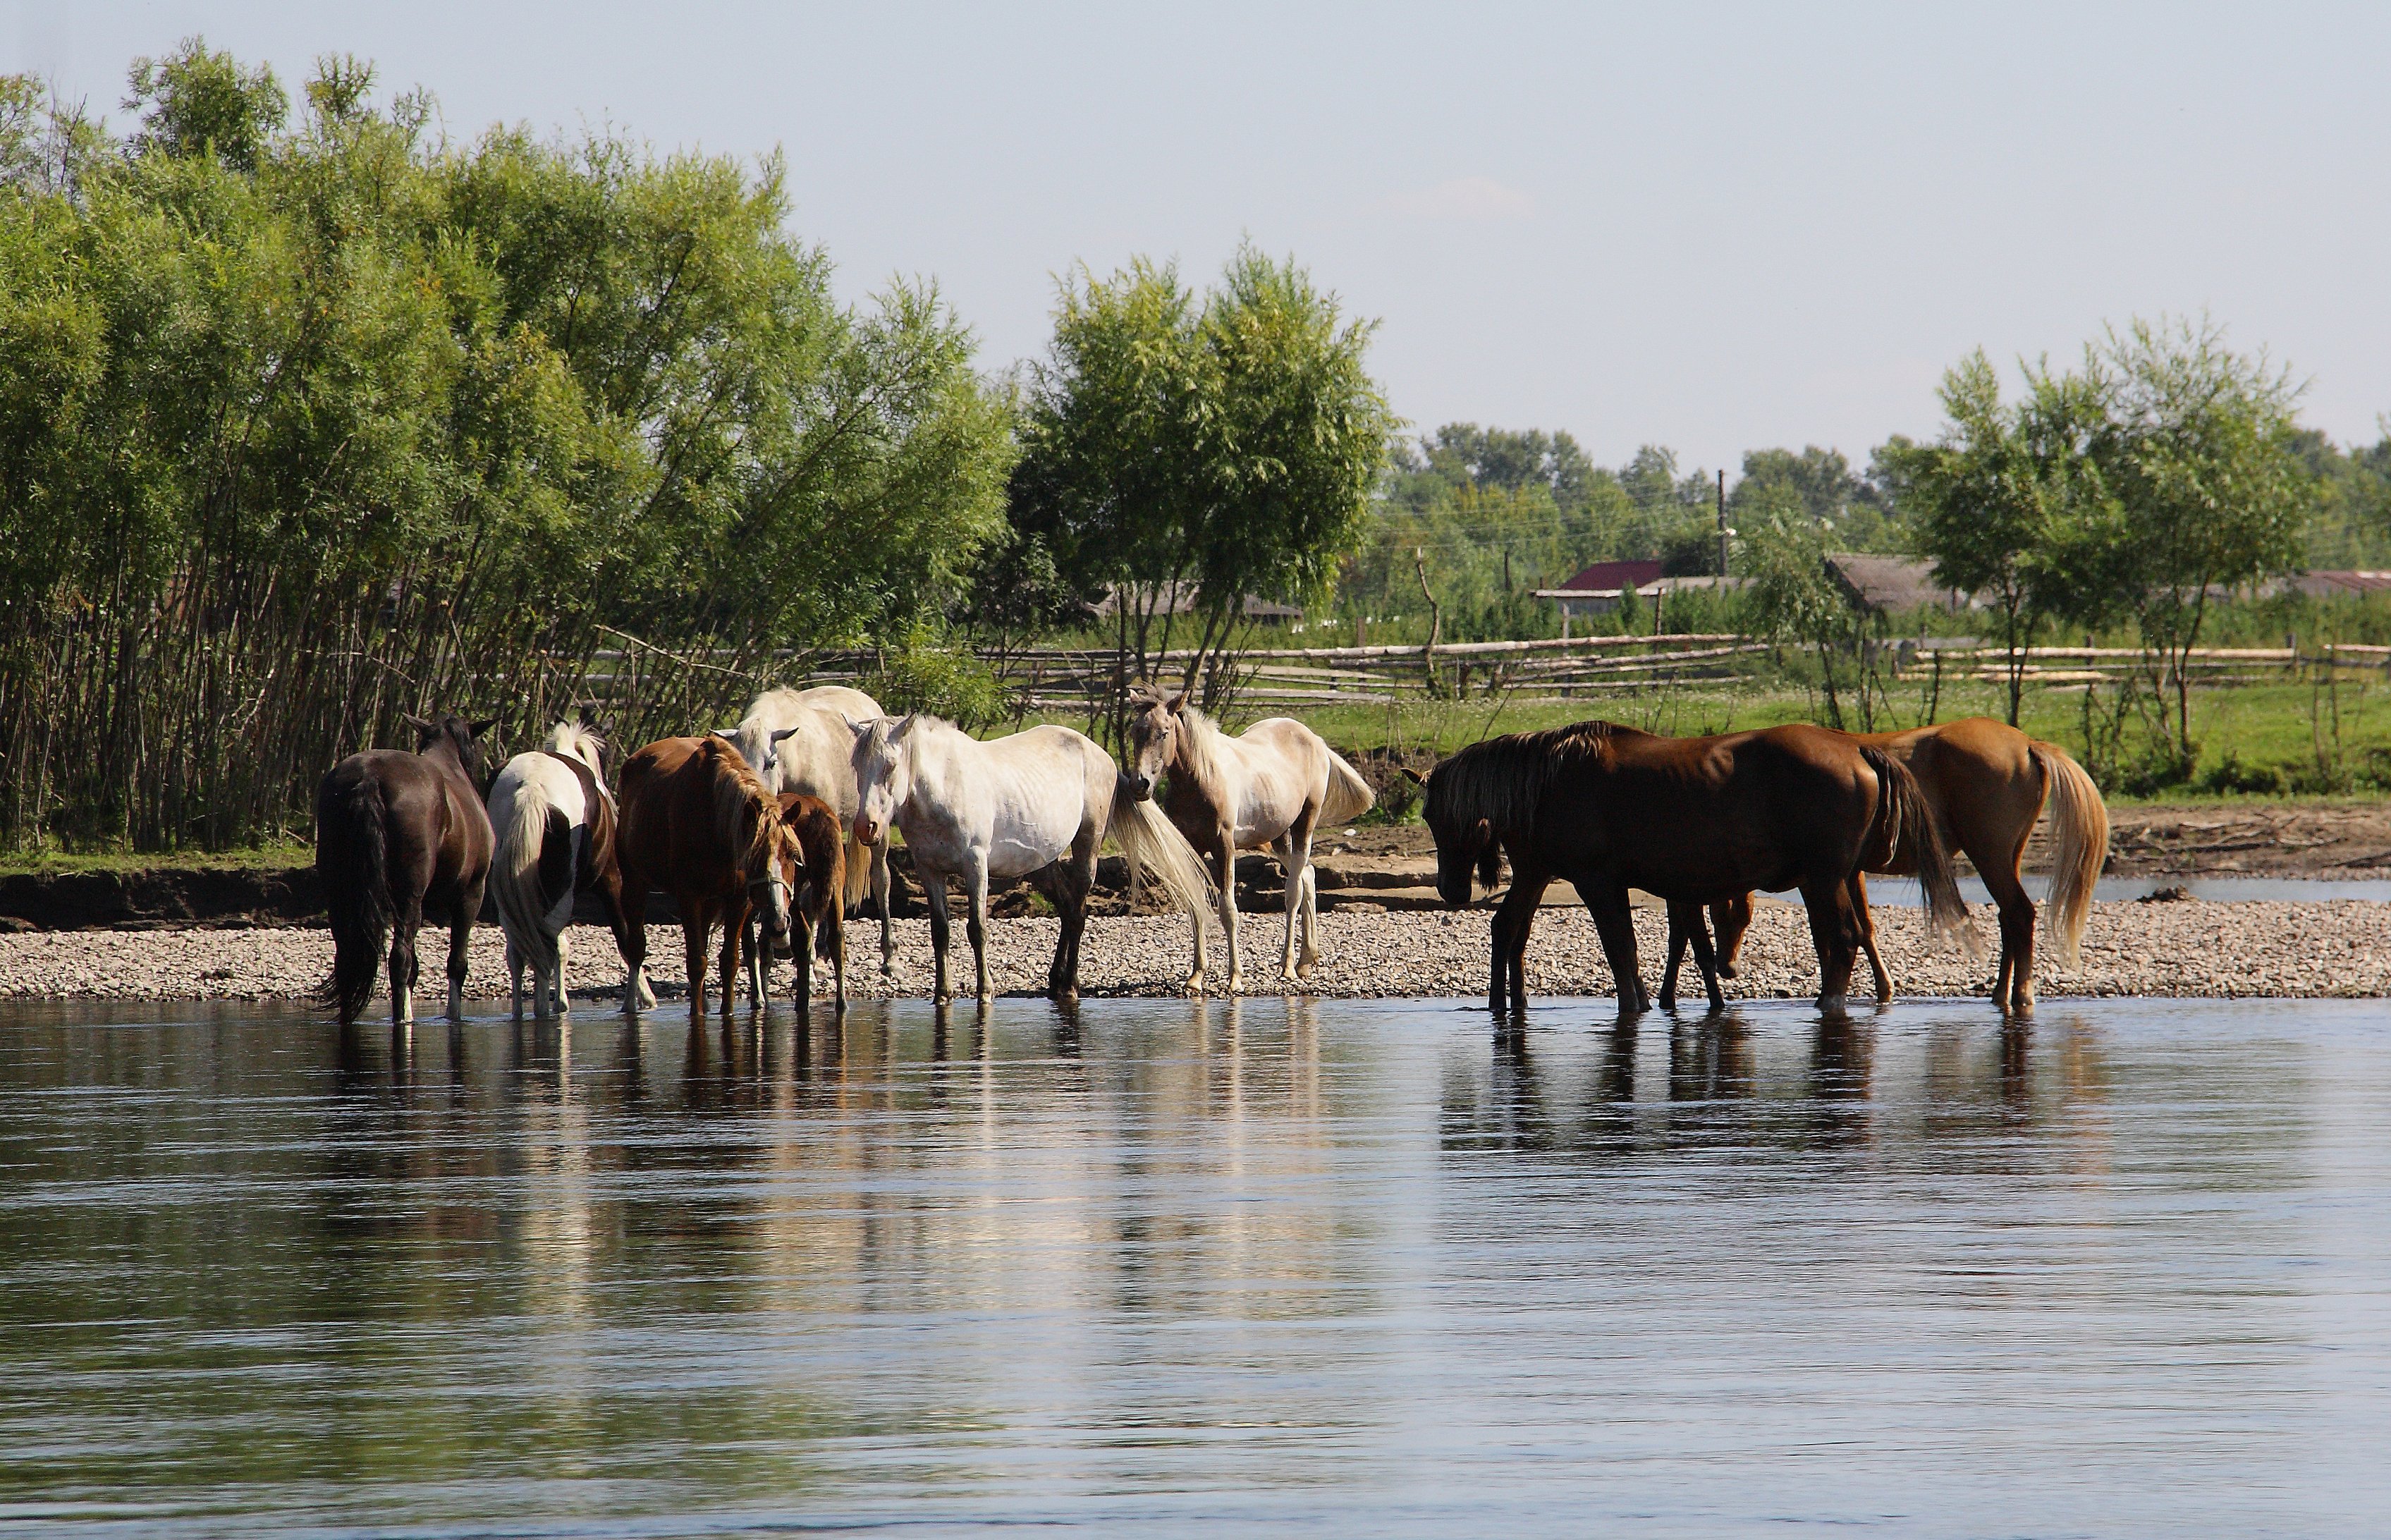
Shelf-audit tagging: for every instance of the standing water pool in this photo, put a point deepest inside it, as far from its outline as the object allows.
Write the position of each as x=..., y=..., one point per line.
x=1333, y=1268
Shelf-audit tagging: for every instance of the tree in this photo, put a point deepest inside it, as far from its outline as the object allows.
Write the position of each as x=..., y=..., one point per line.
x=1791, y=597
x=2199, y=453
x=1215, y=450
x=195, y=102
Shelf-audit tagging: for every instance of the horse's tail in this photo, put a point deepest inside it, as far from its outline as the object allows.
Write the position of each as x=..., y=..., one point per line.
x=1901, y=805
x=859, y=869
x=1152, y=842
x=515, y=876
x=2080, y=822
x=352, y=863
x=1348, y=795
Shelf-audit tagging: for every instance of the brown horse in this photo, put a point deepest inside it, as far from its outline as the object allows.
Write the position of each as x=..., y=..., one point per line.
x=696, y=824
x=817, y=888
x=394, y=832
x=1692, y=820
x=1986, y=783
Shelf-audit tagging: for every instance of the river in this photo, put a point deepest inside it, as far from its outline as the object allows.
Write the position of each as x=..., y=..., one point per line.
x=1286, y=1267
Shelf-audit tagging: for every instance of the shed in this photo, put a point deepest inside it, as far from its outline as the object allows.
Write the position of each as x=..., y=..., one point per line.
x=1885, y=585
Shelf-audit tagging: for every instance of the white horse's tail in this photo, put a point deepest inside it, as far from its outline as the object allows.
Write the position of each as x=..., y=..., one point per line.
x=1349, y=796
x=519, y=822
x=1152, y=842
x=2079, y=826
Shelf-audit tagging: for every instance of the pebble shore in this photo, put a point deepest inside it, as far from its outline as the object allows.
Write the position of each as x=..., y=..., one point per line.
x=2189, y=949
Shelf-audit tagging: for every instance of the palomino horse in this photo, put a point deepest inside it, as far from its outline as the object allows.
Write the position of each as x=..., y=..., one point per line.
x=1273, y=783
x=1986, y=783
x=802, y=741
x=1692, y=820
x=395, y=831
x=698, y=824
x=554, y=819
x=974, y=811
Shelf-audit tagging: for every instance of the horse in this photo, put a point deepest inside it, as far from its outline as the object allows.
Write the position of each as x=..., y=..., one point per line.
x=1986, y=783
x=1692, y=820
x=697, y=823
x=554, y=819
x=1275, y=783
x=395, y=831
x=817, y=883
x=974, y=812
x=802, y=741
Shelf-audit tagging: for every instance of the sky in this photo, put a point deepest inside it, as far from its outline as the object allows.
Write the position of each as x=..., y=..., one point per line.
x=1715, y=227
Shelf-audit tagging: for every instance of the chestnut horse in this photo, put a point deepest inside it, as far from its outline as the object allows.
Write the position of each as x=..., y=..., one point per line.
x=394, y=832
x=1986, y=783
x=1692, y=820
x=697, y=823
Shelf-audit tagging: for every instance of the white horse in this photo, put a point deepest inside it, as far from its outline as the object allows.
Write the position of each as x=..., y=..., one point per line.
x=554, y=823
x=799, y=741
x=1273, y=783
x=974, y=811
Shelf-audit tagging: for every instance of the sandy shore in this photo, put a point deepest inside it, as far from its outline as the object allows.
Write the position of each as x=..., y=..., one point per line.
x=2184, y=948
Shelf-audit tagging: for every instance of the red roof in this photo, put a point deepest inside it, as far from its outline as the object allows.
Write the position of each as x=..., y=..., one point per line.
x=1615, y=575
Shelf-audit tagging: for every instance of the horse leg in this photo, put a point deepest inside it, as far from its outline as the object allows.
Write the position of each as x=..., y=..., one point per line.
x=879, y=858
x=801, y=952
x=1073, y=882
x=1615, y=923
x=1704, y=958
x=514, y=976
x=1867, y=922
x=833, y=940
x=1297, y=859
x=562, y=1002
x=1504, y=978
x=934, y=889
x=1835, y=934
x=460, y=947
x=1226, y=859
x=1197, y=975
x=976, y=928
x=1680, y=927
x=734, y=936
x=1309, y=958
x=403, y=925
x=630, y=919
x=759, y=966
x=693, y=919
x=2017, y=938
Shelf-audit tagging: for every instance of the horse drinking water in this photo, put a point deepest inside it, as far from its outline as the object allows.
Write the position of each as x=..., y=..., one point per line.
x=394, y=832
x=1273, y=783
x=802, y=741
x=974, y=812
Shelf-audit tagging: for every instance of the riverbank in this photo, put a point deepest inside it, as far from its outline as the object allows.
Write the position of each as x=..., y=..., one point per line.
x=2187, y=949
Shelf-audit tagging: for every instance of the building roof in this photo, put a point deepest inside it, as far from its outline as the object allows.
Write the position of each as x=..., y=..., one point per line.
x=1182, y=600
x=2341, y=584
x=1886, y=584
x=1609, y=577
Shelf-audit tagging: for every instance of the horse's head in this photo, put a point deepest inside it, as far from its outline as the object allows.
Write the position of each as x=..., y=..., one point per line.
x=775, y=865
x=458, y=737
x=883, y=774
x=760, y=746
x=1466, y=847
x=1156, y=726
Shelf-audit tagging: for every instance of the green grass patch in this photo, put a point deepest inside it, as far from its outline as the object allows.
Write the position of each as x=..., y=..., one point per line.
x=266, y=857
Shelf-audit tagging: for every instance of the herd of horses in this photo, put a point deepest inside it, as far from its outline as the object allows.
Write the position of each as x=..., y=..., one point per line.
x=771, y=832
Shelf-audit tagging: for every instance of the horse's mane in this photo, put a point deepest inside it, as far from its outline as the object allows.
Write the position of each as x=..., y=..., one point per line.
x=573, y=740
x=1504, y=779
x=746, y=814
x=1204, y=738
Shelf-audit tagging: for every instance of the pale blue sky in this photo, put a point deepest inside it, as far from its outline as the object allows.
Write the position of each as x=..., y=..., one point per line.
x=1715, y=227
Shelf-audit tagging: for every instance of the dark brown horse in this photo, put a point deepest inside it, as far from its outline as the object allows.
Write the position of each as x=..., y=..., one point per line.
x=696, y=824
x=1692, y=820
x=817, y=901
x=394, y=832
x=1986, y=783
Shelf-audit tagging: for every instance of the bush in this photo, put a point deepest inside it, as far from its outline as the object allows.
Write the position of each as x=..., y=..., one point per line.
x=926, y=671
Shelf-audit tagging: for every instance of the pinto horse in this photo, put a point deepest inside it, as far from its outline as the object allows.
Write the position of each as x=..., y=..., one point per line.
x=971, y=812
x=1273, y=783
x=1988, y=783
x=394, y=832
x=1692, y=820
x=554, y=819
x=698, y=824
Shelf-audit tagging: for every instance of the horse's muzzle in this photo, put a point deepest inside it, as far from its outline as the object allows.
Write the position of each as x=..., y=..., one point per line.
x=1144, y=786
x=866, y=831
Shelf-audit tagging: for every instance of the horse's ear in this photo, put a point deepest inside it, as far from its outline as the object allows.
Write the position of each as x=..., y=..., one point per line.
x=411, y=719
x=1177, y=703
x=484, y=725
x=784, y=732
x=728, y=734
x=859, y=728
x=1415, y=777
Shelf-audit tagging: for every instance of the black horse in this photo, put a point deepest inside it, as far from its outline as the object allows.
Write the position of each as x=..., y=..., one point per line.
x=394, y=832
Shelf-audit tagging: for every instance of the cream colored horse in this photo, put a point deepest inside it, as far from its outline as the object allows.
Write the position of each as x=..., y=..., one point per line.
x=1273, y=783
x=800, y=741
x=974, y=811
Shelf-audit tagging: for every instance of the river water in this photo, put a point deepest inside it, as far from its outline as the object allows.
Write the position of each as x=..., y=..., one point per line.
x=1344, y=1268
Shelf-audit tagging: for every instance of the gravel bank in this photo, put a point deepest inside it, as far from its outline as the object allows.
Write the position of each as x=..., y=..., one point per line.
x=2185, y=949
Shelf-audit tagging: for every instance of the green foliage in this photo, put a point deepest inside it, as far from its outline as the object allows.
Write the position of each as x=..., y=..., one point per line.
x=303, y=427
x=926, y=670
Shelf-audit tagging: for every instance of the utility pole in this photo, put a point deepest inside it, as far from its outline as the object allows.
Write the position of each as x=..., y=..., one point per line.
x=1724, y=531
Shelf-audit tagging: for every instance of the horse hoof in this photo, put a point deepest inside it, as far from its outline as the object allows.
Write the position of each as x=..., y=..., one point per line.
x=1237, y=983
x=1726, y=970
x=1833, y=1004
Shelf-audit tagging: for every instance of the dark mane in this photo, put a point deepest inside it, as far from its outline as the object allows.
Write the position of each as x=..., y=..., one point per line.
x=1503, y=780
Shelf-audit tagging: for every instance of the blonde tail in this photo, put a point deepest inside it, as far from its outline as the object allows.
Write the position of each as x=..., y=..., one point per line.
x=521, y=829
x=858, y=871
x=1152, y=842
x=1349, y=796
x=2079, y=822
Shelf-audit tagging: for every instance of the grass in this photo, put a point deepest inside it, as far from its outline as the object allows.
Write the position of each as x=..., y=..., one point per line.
x=266, y=858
